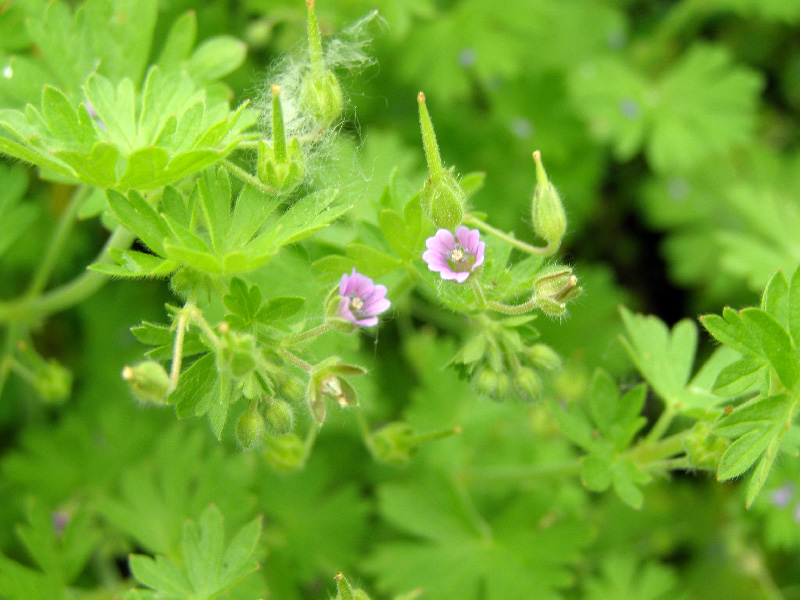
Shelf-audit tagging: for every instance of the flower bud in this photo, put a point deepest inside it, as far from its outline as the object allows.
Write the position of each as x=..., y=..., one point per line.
x=442, y=198
x=528, y=383
x=53, y=382
x=321, y=94
x=292, y=388
x=543, y=356
x=550, y=307
x=280, y=166
x=286, y=453
x=237, y=353
x=503, y=387
x=486, y=381
x=280, y=417
x=250, y=427
x=703, y=449
x=547, y=211
x=149, y=382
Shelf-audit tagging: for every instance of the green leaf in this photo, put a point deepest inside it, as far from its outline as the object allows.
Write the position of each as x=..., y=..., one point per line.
x=665, y=359
x=216, y=57
x=208, y=567
x=136, y=215
x=220, y=400
x=180, y=41
x=775, y=299
x=63, y=120
x=370, y=261
x=279, y=308
x=776, y=345
x=626, y=578
x=731, y=330
x=738, y=377
x=793, y=309
x=131, y=263
x=195, y=388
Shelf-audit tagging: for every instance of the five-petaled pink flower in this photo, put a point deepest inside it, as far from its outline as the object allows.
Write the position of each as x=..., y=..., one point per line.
x=360, y=300
x=454, y=257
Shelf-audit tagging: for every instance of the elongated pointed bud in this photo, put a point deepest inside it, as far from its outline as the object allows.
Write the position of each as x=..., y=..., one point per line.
x=250, y=427
x=149, y=382
x=321, y=94
x=280, y=166
x=547, y=211
x=441, y=198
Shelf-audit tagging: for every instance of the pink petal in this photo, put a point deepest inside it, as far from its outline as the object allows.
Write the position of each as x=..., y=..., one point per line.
x=462, y=277
x=479, y=255
x=369, y=322
x=344, y=310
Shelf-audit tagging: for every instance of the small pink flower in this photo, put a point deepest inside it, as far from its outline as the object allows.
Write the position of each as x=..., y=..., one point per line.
x=454, y=257
x=360, y=300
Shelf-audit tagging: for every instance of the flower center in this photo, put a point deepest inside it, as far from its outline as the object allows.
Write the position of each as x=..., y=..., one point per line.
x=460, y=260
x=356, y=306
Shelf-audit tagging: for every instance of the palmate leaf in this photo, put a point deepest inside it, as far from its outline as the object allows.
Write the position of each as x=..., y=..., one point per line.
x=208, y=568
x=665, y=360
x=624, y=578
x=456, y=555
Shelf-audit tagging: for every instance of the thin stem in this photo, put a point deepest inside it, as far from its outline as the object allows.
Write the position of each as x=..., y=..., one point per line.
x=295, y=360
x=63, y=229
x=515, y=472
x=177, y=349
x=513, y=309
x=366, y=433
x=308, y=443
x=476, y=288
x=69, y=294
x=197, y=318
x=645, y=452
x=661, y=425
x=311, y=333
x=248, y=178
x=21, y=370
x=12, y=335
x=520, y=245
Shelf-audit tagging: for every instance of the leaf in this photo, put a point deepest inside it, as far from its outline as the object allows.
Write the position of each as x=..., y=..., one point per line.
x=776, y=345
x=208, y=568
x=626, y=578
x=192, y=395
x=131, y=263
x=738, y=377
x=216, y=57
x=665, y=359
x=180, y=41
x=136, y=215
x=370, y=261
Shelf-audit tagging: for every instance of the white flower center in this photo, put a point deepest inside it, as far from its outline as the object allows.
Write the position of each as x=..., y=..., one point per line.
x=459, y=259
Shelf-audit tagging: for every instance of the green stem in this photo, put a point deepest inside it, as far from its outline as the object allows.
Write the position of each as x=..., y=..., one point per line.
x=21, y=370
x=366, y=433
x=69, y=294
x=63, y=229
x=197, y=318
x=295, y=360
x=646, y=452
x=12, y=335
x=515, y=472
x=311, y=333
x=177, y=349
x=513, y=309
x=308, y=444
x=520, y=245
x=248, y=178
x=476, y=288
x=661, y=425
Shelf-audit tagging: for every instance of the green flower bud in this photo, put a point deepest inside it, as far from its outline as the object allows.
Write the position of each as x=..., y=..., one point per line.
x=544, y=356
x=486, y=381
x=704, y=449
x=149, y=382
x=320, y=94
x=280, y=166
x=285, y=453
x=280, y=417
x=53, y=382
x=503, y=387
x=250, y=427
x=237, y=353
x=550, y=307
x=442, y=198
x=547, y=211
x=528, y=383
x=292, y=388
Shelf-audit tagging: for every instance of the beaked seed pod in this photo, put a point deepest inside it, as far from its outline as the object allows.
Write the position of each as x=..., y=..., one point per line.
x=149, y=382
x=321, y=94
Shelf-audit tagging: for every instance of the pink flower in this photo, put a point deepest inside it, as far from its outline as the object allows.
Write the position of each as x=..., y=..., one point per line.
x=454, y=257
x=360, y=300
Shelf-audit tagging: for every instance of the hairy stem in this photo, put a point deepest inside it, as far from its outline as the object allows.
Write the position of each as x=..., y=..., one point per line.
x=518, y=244
x=311, y=333
x=243, y=175
x=295, y=360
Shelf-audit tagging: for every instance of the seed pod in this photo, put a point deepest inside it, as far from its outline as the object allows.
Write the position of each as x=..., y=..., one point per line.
x=149, y=382
x=280, y=417
x=250, y=427
x=547, y=210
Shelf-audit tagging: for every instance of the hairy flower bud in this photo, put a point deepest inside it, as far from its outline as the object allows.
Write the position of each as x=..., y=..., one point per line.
x=286, y=453
x=53, y=382
x=397, y=443
x=703, y=449
x=557, y=283
x=486, y=381
x=237, y=353
x=528, y=383
x=149, y=382
x=544, y=356
x=280, y=416
x=250, y=427
x=547, y=211
x=442, y=198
